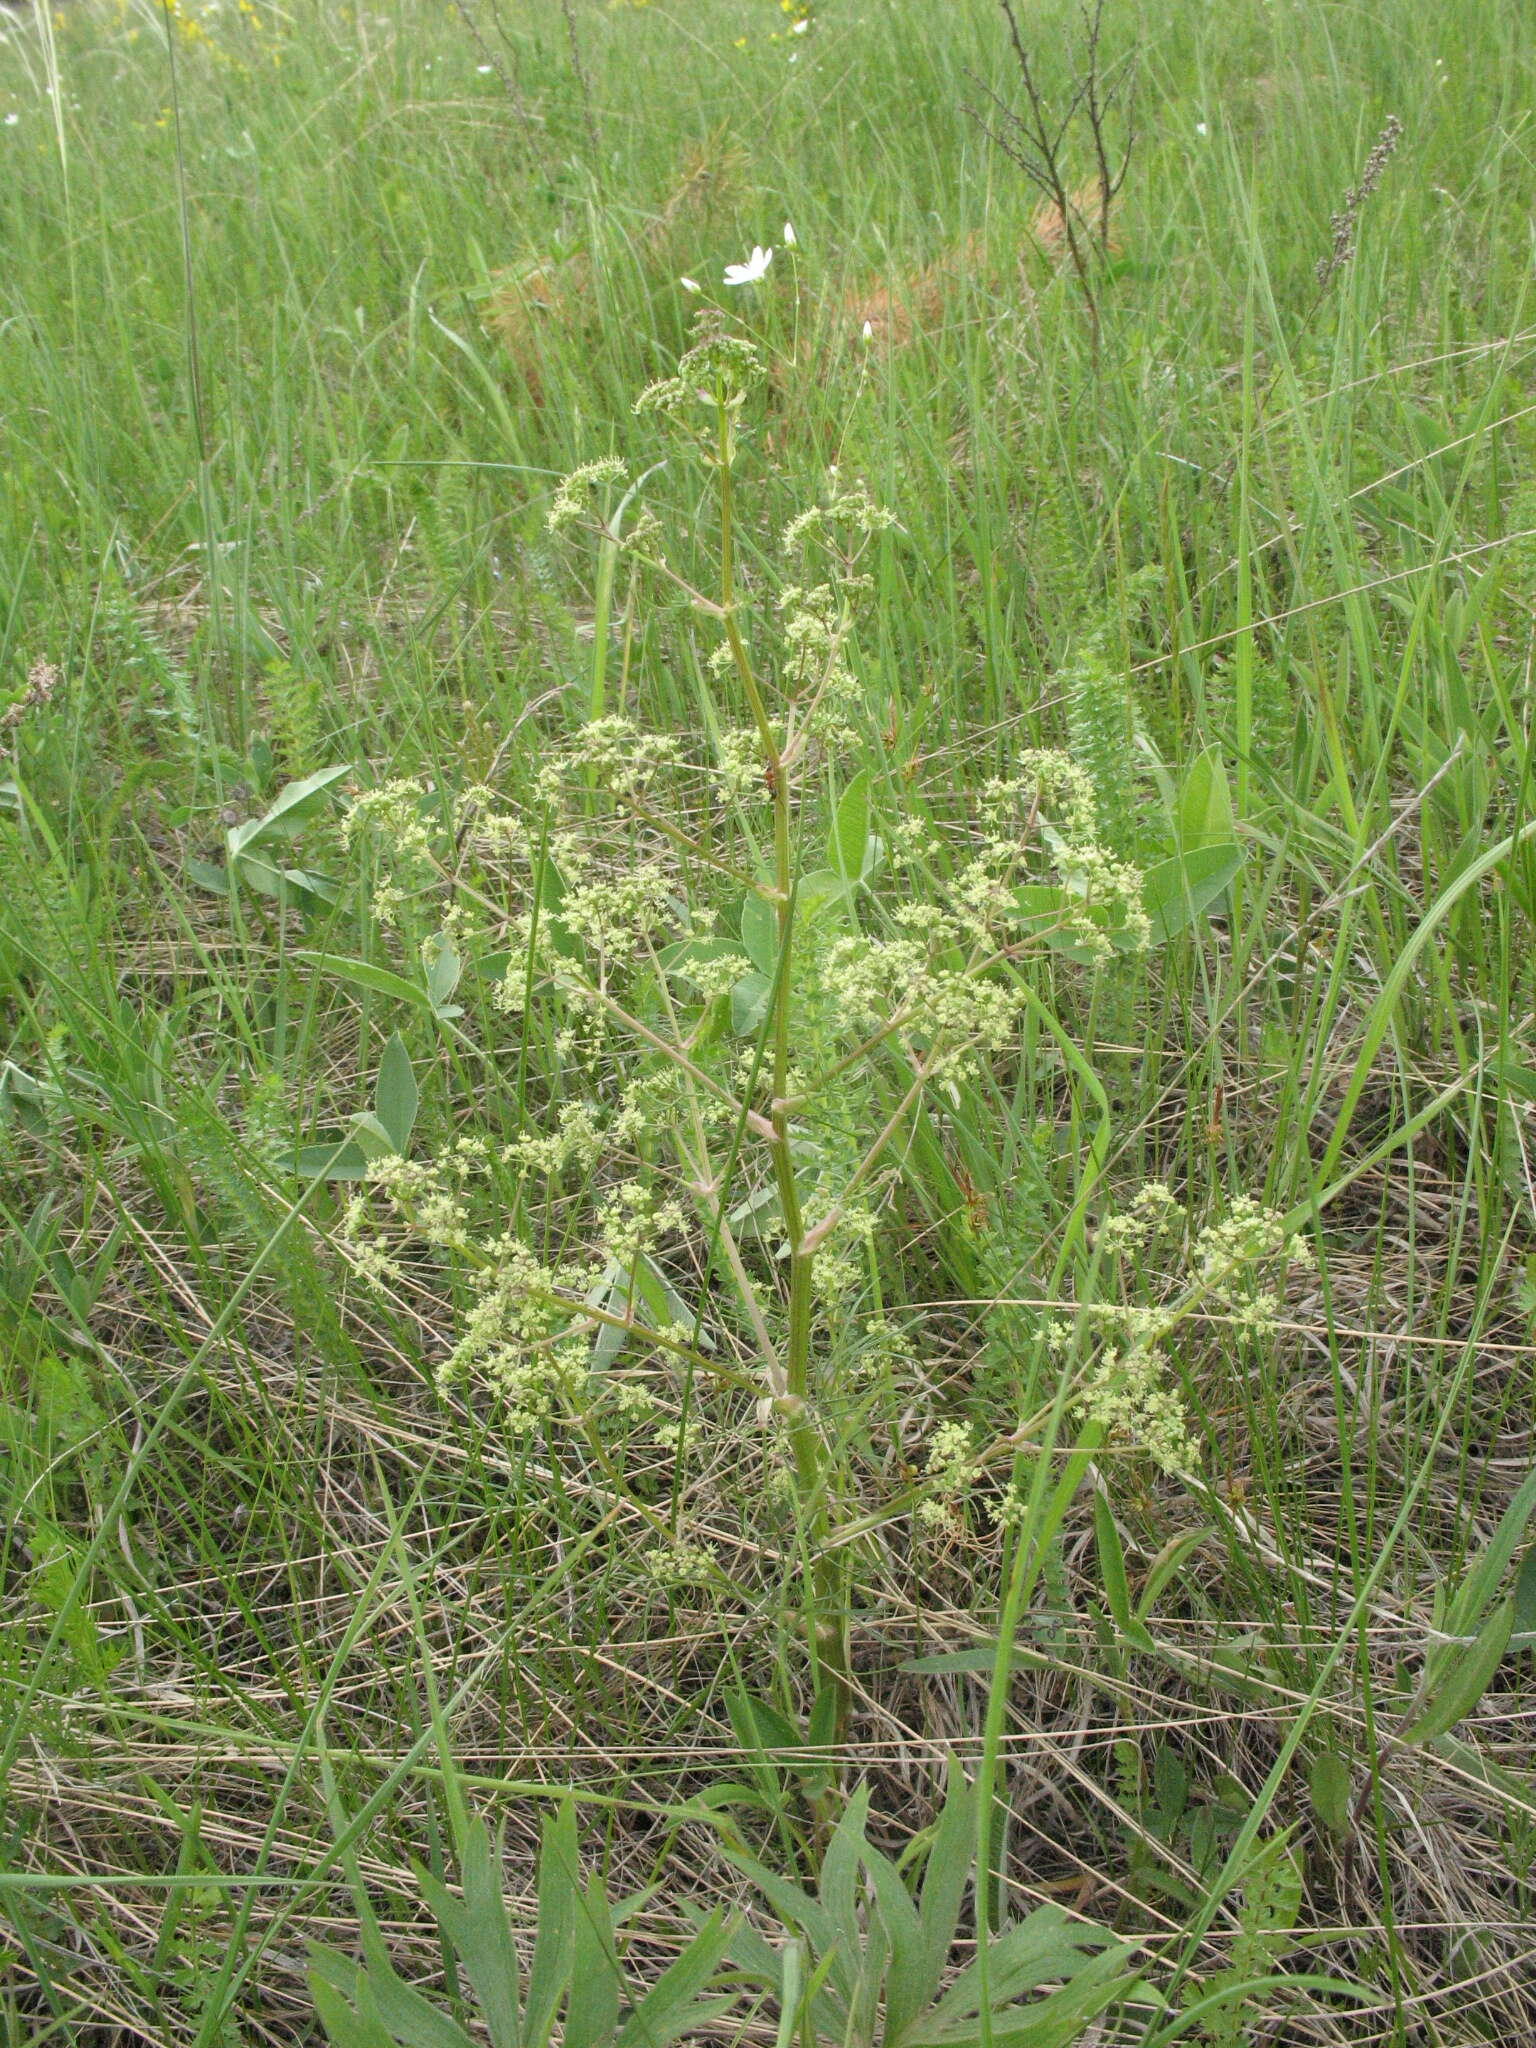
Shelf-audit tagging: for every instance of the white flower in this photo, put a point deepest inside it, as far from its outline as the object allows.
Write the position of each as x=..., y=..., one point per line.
x=756, y=266
x=869, y=330
x=484, y=70
x=789, y=234
x=11, y=120
x=1201, y=129
x=690, y=284
x=798, y=28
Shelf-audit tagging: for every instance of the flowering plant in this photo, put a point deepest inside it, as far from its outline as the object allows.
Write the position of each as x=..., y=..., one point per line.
x=758, y=988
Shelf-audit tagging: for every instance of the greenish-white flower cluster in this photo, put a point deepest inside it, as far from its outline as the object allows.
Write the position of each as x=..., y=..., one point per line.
x=1234, y=1263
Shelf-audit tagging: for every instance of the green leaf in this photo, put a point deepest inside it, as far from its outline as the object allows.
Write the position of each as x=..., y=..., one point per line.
x=380, y=981
x=821, y=1726
x=1204, y=816
x=1166, y=1563
x=848, y=842
x=1525, y=1594
x=284, y=885
x=1045, y=1946
x=760, y=934
x=373, y=1137
x=341, y=1159
x=794, y=1907
x=1117, y=1592
x=592, y=2009
x=560, y=1899
x=551, y=923
x=759, y=1725
x=295, y=805
x=672, y=2006
x=907, y=1973
x=1328, y=1781
x=1175, y=892
x=395, y=1096
x=412, y=2020
x=479, y=1931
x=750, y=998
x=686, y=956
x=1170, y=1783
x=640, y=1292
x=440, y=956
x=206, y=875
x=1483, y=1580
x=1465, y=1679
x=1518, y=1080
x=23, y=1100
x=818, y=889
x=346, y=2025
x=1055, y=916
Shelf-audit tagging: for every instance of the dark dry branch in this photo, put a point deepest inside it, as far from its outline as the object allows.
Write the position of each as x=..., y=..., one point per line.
x=1036, y=142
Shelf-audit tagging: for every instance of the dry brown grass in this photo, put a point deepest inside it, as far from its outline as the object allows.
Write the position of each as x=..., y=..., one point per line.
x=917, y=301
x=1048, y=223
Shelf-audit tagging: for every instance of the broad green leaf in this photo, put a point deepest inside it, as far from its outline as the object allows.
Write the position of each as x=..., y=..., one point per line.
x=610, y=1293
x=673, y=2005
x=1205, y=805
x=758, y=1724
x=944, y=1881
x=839, y=1893
x=551, y=923
x=480, y=1933
x=1328, y=1781
x=688, y=955
x=346, y=2025
x=760, y=934
x=440, y=957
x=592, y=2009
x=821, y=1726
x=642, y=1293
x=848, y=841
x=760, y=1961
x=395, y=1096
x=23, y=1100
x=1518, y=1080
x=1055, y=917
x=295, y=805
x=373, y=1136
x=794, y=1907
x=284, y=885
x=560, y=1899
x=819, y=888
x=206, y=874
x=381, y=981
x=342, y=1159
x=749, y=1004
x=1045, y=1946
x=412, y=2020
x=1175, y=892
x=1466, y=1679
x=664, y=1307
x=907, y=1973
x=760, y=1210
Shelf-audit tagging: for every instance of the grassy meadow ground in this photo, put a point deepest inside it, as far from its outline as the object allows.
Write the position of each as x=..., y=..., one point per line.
x=1209, y=1577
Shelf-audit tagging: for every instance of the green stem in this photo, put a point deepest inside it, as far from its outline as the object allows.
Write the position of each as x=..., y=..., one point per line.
x=828, y=1617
